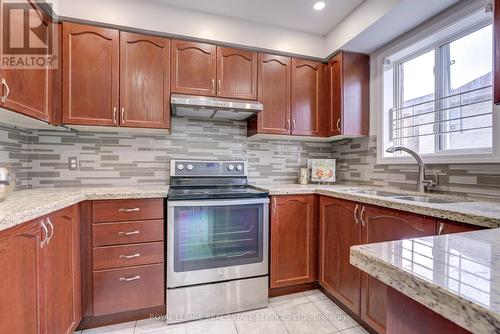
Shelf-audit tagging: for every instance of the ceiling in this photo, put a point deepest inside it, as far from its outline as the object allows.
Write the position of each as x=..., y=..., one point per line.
x=297, y=15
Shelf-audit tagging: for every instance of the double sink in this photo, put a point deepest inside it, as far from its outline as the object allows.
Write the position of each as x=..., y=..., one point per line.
x=411, y=198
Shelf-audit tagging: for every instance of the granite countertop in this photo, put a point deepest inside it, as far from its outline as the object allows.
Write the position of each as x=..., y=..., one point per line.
x=475, y=211
x=455, y=275
x=24, y=205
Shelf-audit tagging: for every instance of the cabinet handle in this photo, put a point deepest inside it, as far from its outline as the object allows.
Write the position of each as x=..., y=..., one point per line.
x=356, y=214
x=129, y=256
x=46, y=234
x=129, y=210
x=123, y=114
x=361, y=216
x=274, y=205
x=114, y=115
x=129, y=279
x=129, y=233
x=213, y=86
x=7, y=90
x=218, y=87
x=293, y=125
x=441, y=228
x=338, y=125
x=288, y=127
x=51, y=230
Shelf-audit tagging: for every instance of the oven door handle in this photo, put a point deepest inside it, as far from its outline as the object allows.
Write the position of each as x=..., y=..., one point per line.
x=218, y=202
x=239, y=254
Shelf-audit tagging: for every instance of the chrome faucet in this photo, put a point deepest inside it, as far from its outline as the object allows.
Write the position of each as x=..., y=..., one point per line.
x=423, y=184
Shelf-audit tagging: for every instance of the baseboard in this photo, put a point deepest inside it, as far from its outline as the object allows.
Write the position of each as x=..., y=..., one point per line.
x=292, y=289
x=117, y=318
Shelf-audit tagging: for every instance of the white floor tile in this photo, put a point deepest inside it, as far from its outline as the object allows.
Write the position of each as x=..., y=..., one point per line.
x=125, y=328
x=259, y=322
x=288, y=300
x=335, y=314
x=304, y=319
x=314, y=295
x=355, y=330
x=223, y=325
x=151, y=326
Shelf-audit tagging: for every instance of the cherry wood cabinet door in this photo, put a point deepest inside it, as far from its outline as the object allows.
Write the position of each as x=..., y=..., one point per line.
x=307, y=97
x=193, y=68
x=339, y=229
x=144, y=81
x=61, y=262
x=21, y=286
x=236, y=73
x=274, y=82
x=449, y=227
x=335, y=95
x=28, y=91
x=382, y=225
x=90, y=75
x=294, y=234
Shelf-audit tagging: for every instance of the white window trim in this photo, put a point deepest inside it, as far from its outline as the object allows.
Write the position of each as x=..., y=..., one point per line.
x=438, y=23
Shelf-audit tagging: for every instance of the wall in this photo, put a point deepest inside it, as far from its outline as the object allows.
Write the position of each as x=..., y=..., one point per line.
x=357, y=163
x=111, y=159
x=14, y=153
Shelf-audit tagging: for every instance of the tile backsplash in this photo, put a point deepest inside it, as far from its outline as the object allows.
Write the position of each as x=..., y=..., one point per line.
x=14, y=153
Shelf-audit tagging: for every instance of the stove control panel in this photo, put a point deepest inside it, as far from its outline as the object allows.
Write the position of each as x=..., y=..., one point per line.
x=208, y=168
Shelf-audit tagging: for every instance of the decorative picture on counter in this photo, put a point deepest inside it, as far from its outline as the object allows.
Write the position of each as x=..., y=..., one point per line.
x=322, y=170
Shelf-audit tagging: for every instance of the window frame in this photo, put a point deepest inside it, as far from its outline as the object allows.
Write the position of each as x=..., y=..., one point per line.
x=441, y=22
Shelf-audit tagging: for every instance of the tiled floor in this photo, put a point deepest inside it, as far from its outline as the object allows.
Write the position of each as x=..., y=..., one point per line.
x=308, y=312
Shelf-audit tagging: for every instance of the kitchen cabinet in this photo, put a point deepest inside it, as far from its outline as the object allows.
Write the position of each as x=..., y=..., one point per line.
x=274, y=84
x=144, y=85
x=236, y=73
x=294, y=234
x=448, y=227
x=193, y=68
x=28, y=91
x=349, y=91
x=307, y=97
x=379, y=225
x=41, y=293
x=339, y=229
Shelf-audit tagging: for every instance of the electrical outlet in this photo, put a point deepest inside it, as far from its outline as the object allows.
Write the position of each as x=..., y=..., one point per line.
x=73, y=163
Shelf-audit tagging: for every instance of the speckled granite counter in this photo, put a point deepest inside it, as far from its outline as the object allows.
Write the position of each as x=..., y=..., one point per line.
x=456, y=275
x=24, y=205
x=481, y=212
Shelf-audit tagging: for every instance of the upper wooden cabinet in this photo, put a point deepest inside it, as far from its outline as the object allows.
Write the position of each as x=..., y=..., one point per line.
x=28, y=91
x=236, y=73
x=193, y=68
x=90, y=75
x=307, y=97
x=294, y=234
x=349, y=91
x=144, y=81
x=339, y=229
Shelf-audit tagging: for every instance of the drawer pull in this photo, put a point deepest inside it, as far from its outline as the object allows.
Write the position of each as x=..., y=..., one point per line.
x=129, y=279
x=129, y=256
x=129, y=210
x=129, y=233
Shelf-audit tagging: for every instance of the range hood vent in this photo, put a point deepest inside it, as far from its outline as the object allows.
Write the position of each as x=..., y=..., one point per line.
x=213, y=107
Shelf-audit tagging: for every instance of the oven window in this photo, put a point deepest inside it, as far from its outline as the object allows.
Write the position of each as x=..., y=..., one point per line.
x=208, y=237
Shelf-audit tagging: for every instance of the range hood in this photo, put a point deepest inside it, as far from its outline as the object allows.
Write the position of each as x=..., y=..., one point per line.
x=213, y=107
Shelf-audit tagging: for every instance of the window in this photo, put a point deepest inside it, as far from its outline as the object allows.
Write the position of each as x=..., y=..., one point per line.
x=437, y=95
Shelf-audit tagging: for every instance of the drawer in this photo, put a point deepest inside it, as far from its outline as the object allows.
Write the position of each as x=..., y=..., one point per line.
x=126, y=209
x=127, y=255
x=134, y=288
x=127, y=232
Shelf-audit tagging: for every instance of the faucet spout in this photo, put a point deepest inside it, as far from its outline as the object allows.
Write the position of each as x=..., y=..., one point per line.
x=421, y=182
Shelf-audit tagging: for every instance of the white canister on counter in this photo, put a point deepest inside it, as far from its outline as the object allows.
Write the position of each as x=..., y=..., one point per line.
x=304, y=176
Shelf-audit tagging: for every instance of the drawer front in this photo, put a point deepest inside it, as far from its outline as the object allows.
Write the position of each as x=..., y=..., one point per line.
x=127, y=232
x=134, y=288
x=127, y=209
x=127, y=255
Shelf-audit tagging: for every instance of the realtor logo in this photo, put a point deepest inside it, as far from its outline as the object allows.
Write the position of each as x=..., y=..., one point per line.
x=27, y=37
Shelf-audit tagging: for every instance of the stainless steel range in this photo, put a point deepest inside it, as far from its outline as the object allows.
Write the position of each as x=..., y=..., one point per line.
x=217, y=241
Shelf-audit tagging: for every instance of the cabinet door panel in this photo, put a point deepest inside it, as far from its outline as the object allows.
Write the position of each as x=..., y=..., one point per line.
x=193, y=68
x=386, y=225
x=90, y=79
x=307, y=97
x=338, y=231
x=293, y=240
x=274, y=73
x=144, y=85
x=29, y=90
x=335, y=95
x=236, y=73
x=21, y=285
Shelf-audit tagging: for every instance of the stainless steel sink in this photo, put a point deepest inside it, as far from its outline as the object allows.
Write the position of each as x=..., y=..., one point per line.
x=380, y=193
x=424, y=199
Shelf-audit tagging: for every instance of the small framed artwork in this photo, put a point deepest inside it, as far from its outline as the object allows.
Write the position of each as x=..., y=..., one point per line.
x=322, y=170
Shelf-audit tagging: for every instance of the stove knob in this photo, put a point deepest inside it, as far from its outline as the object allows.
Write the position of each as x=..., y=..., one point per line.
x=230, y=167
x=180, y=166
x=189, y=167
x=239, y=167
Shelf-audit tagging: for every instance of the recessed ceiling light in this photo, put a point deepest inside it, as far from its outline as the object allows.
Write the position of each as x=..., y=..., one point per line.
x=319, y=5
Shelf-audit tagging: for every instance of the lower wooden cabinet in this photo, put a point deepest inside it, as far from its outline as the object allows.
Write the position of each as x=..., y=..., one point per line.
x=294, y=236
x=339, y=229
x=448, y=227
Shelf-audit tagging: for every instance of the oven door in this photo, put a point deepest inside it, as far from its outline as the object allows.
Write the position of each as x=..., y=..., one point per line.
x=216, y=240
